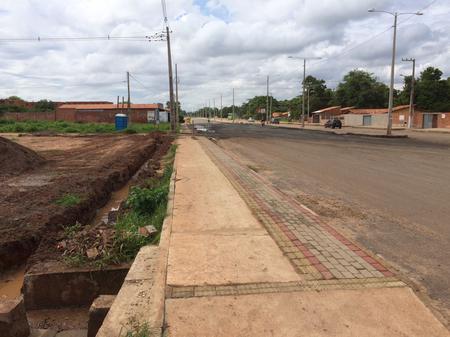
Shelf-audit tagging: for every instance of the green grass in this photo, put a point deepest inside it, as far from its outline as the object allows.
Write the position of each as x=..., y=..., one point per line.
x=141, y=331
x=73, y=127
x=68, y=200
x=145, y=206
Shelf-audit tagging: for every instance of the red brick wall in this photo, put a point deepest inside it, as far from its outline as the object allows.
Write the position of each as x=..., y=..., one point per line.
x=29, y=116
x=396, y=117
x=72, y=115
x=443, y=123
x=67, y=115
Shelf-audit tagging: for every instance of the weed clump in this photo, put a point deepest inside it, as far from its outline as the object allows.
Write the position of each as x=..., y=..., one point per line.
x=68, y=200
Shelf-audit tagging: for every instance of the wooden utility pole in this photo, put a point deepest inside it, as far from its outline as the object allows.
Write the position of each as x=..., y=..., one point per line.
x=129, y=98
x=173, y=121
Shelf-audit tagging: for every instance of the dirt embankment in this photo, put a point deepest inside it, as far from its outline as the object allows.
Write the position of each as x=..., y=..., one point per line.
x=89, y=168
x=15, y=158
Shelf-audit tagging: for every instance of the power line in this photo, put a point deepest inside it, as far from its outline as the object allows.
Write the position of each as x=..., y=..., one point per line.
x=158, y=36
x=138, y=81
x=345, y=52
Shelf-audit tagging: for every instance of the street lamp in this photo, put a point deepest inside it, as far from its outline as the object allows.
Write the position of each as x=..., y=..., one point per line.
x=391, y=87
x=303, y=83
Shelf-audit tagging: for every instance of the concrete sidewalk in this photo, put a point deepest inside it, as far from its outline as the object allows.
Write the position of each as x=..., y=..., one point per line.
x=245, y=260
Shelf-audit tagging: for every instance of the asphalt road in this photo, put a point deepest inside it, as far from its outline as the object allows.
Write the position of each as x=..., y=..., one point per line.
x=392, y=196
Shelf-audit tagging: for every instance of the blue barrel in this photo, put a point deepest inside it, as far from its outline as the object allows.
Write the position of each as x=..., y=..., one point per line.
x=121, y=122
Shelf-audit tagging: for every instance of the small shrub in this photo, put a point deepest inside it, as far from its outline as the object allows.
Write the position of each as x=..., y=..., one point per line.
x=130, y=131
x=68, y=200
x=140, y=331
x=145, y=200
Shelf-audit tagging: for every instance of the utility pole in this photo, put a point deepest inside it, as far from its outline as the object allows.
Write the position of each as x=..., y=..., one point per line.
x=391, y=87
x=128, y=102
x=118, y=102
x=267, y=100
x=123, y=104
x=308, y=89
x=303, y=84
x=233, y=105
x=303, y=93
x=394, y=46
x=270, y=106
x=411, y=97
x=214, y=108
x=173, y=121
x=221, y=107
x=177, y=108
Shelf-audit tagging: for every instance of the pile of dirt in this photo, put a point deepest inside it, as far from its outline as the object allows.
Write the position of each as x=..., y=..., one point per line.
x=15, y=158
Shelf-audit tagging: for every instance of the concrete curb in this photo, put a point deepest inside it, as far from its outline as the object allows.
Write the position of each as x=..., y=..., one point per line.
x=341, y=134
x=141, y=300
x=431, y=131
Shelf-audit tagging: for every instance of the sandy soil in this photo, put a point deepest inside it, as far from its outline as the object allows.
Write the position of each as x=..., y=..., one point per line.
x=388, y=195
x=88, y=166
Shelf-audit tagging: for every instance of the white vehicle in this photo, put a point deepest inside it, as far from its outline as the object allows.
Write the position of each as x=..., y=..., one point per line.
x=251, y=120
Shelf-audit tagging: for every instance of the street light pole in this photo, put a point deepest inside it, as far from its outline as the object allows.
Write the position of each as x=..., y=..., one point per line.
x=303, y=83
x=411, y=97
x=303, y=93
x=391, y=87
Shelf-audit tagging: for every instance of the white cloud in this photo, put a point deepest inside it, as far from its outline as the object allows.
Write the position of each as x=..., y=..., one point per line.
x=218, y=44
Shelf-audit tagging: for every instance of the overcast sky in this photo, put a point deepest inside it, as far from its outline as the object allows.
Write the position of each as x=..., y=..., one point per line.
x=218, y=45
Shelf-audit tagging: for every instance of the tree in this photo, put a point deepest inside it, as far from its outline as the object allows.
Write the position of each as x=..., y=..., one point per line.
x=320, y=96
x=433, y=93
x=362, y=90
x=403, y=96
x=45, y=105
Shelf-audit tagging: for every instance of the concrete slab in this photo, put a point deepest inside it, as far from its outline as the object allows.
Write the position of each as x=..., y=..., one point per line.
x=140, y=300
x=43, y=333
x=217, y=207
x=349, y=313
x=215, y=237
x=13, y=319
x=227, y=259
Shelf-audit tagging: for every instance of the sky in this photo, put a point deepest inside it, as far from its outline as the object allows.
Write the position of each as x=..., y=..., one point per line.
x=218, y=45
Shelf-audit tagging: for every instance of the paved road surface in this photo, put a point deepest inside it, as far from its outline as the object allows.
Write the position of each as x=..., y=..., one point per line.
x=390, y=195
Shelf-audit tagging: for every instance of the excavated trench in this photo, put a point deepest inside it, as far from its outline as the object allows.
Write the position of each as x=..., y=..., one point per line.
x=30, y=256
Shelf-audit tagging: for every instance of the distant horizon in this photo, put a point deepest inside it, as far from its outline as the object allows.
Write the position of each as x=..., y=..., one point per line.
x=218, y=45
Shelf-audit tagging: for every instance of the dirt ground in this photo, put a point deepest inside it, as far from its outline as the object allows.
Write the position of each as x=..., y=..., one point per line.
x=90, y=167
x=390, y=196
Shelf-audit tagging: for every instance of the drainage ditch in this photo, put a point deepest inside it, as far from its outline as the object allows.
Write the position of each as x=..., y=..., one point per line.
x=51, y=288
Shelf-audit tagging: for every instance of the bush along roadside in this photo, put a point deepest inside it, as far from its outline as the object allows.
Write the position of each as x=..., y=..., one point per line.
x=75, y=127
x=138, y=223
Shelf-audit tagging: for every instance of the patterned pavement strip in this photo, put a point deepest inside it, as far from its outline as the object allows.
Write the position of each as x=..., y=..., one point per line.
x=278, y=287
x=314, y=248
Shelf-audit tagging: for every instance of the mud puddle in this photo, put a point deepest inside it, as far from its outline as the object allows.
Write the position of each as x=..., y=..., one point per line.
x=11, y=283
x=114, y=202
